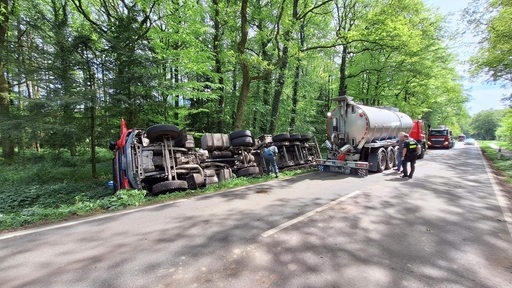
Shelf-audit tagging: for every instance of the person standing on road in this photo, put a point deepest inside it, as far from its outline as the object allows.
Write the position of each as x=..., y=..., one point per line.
x=400, y=148
x=409, y=156
x=269, y=155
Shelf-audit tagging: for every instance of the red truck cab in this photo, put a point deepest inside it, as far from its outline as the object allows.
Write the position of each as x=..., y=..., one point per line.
x=418, y=133
x=440, y=138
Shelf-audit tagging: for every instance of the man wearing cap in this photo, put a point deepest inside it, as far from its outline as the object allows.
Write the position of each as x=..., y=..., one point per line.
x=400, y=148
x=409, y=156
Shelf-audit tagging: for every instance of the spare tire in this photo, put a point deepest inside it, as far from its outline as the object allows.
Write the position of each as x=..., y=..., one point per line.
x=281, y=137
x=240, y=134
x=169, y=186
x=245, y=141
x=159, y=131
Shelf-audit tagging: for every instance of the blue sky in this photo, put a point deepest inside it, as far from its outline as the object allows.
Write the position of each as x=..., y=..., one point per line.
x=483, y=95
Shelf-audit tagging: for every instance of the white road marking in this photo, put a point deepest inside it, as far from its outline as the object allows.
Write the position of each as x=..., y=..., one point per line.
x=500, y=195
x=307, y=215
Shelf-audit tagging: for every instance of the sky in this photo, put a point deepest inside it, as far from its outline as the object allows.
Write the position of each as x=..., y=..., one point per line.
x=483, y=95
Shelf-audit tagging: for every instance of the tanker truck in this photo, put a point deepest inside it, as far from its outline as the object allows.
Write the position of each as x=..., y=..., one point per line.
x=362, y=138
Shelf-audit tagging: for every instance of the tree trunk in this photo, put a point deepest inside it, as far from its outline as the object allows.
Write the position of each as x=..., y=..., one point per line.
x=342, y=91
x=278, y=92
x=92, y=89
x=296, y=78
x=244, y=66
x=217, y=38
x=295, y=96
x=7, y=142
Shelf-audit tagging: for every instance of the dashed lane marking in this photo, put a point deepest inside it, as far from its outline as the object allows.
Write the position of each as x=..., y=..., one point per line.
x=307, y=215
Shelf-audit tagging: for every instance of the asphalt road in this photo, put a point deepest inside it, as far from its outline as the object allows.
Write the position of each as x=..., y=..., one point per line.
x=443, y=228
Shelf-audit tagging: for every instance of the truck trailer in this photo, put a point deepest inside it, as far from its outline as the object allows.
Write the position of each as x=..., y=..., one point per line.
x=363, y=138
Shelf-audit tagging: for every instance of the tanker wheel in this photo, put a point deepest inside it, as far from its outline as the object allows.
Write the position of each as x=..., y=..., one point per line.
x=391, y=160
x=381, y=160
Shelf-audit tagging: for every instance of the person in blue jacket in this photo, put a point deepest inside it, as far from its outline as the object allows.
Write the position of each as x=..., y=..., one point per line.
x=269, y=155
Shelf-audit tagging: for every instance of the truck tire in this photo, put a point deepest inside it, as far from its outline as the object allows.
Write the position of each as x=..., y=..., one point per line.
x=158, y=132
x=240, y=134
x=249, y=171
x=391, y=160
x=422, y=154
x=295, y=137
x=169, y=186
x=281, y=137
x=245, y=141
x=378, y=160
x=383, y=159
x=305, y=137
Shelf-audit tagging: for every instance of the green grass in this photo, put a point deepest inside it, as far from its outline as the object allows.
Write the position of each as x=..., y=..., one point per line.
x=52, y=186
x=499, y=162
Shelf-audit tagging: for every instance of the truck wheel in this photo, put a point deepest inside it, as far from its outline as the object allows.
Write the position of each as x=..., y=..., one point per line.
x=169, y=186
x=391, y=160
x=295, y=137
x=239, y=134
x=422, y=154
x=281, y=137
x=305, y=137
x=380, y=160
x=157, y=132
x=245, y=141
x=249, y=171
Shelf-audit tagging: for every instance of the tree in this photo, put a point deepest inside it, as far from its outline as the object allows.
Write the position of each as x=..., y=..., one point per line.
x=504, y=132
x=485, y=123
x=5, y=135
x=491, y=20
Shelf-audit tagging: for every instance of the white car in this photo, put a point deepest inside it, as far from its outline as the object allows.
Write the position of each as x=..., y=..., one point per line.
x=470, y=141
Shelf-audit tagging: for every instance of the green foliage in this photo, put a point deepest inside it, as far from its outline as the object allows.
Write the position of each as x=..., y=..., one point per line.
x=494, y=57
x=486, y=123
x=504, y=132
x=49, y=203
x=502, y=164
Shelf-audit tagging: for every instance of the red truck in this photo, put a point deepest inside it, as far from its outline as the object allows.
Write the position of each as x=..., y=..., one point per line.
x=418, y=133
x=441, y=137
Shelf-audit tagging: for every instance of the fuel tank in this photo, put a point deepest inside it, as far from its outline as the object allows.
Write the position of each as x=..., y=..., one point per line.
x=355, y=124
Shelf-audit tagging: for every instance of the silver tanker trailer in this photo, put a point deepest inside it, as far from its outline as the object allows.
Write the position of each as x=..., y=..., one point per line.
x=362, y=138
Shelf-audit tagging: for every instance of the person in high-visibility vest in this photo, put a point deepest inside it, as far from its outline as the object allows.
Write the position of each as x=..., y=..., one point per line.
x=409, y=156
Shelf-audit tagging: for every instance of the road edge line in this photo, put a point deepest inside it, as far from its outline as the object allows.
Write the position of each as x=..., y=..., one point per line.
x=507, y=215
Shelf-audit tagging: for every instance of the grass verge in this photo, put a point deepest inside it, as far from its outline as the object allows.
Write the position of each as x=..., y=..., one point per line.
x=501, y=164
x=43, y=203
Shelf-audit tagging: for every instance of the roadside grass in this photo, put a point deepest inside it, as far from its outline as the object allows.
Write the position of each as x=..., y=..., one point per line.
x=47, y=187
x=500, y=163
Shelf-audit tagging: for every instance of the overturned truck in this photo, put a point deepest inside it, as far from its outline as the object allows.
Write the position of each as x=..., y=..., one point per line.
x=164, y=158
x=295, y=151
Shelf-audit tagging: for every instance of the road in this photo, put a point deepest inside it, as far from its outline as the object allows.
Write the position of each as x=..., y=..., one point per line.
x=443, y=228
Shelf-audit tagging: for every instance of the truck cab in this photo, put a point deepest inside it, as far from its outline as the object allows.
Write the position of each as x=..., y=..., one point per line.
x=419, y=134
x=441, y=137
